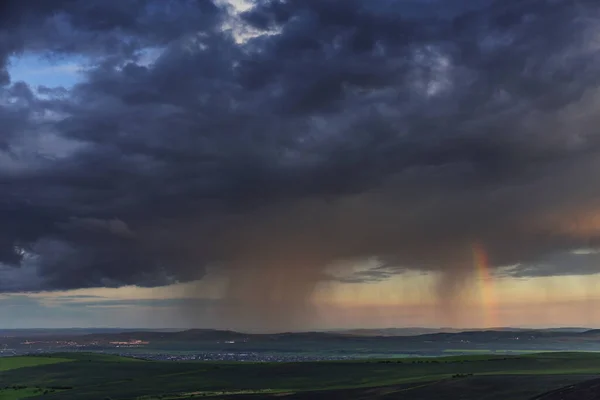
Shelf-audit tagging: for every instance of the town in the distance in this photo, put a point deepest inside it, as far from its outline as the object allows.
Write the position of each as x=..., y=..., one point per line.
x=222, y=345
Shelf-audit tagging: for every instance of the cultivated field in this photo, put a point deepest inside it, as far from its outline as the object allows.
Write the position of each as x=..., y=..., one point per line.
x=80, y=376
x=8, y=363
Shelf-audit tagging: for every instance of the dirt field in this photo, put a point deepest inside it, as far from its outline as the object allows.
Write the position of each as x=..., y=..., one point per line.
x=589, y=390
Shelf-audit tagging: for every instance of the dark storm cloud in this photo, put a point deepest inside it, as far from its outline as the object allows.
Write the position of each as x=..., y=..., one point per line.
x=153, y=303
x=565, y=263
x=101, y=27
x=372, y=275
x=341, y=130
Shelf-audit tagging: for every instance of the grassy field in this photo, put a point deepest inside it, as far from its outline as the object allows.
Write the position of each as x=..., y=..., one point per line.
x=98, y=376
x=8, y=363
x=16, y=392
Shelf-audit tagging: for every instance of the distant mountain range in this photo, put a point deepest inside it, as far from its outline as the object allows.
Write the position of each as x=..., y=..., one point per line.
x=413, y=341
x=38, y=332
x=345, y=343
x=423, y=331
x=210, y=334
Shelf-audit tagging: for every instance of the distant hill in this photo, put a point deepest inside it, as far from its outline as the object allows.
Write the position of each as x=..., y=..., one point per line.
x=39, y=332
x=178, y=336
x=388, y=335
x=592, y=332
x=424, y=331
x=193, y=335
x=393, y=331
x=568, y=329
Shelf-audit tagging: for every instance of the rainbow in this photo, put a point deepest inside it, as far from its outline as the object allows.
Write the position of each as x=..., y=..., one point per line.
x=486, y=286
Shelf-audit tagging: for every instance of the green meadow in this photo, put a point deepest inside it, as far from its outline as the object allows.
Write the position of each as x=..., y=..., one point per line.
x=82, y=376
x=8, y=363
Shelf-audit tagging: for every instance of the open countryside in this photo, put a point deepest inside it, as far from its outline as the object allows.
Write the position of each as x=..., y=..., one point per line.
x=88, y=375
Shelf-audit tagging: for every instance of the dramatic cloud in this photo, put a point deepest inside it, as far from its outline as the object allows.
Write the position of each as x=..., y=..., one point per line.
x=314, y=132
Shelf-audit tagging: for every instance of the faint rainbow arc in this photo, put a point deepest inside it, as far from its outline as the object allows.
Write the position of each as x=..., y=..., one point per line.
x=487, y=290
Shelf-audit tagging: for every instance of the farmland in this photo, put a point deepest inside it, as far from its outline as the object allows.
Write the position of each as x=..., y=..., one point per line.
x=8, y=363
x=83, y=376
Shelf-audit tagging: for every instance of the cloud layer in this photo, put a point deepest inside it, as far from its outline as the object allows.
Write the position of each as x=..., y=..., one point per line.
x=297, y=134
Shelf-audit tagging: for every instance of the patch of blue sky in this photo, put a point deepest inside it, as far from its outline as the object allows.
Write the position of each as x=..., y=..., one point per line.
x=65, y=71
x=40, y=70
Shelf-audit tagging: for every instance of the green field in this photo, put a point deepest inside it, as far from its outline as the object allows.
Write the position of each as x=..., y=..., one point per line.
x=8, y=363
x=16, y=392
x=83, y=376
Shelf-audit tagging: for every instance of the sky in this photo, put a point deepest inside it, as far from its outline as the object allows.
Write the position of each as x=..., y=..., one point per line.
x=276, y=165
